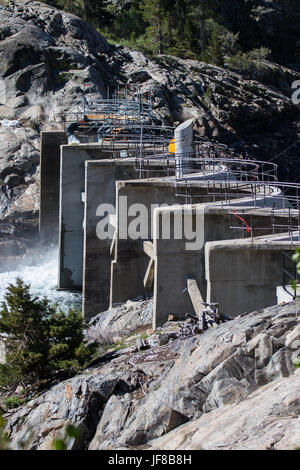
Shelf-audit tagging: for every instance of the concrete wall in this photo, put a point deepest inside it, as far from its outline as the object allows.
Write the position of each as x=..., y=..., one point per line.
x=100, y=187
x=71, y=213
x=242, y=276
x=173, y=263
x=130, y=263
x=286, y=293
x=175, y=259
x=49, y=184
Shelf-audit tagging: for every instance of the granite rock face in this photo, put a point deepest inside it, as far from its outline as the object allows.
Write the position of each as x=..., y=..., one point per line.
x=78, y=401
x=119, y=321
x=267, y=420
x=19, y=192
x=180, y=394
x=47, y=55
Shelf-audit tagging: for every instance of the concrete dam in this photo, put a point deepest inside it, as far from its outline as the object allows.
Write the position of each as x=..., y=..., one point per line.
x=142, y=210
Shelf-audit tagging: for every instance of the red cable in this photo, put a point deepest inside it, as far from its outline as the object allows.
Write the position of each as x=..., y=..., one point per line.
x=244, y=221
x=255, y=172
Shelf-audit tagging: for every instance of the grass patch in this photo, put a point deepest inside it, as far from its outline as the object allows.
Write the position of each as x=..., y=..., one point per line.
x=12, y=402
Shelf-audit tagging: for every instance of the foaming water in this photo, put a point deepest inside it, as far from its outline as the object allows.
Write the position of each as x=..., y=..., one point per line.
x=42, y=278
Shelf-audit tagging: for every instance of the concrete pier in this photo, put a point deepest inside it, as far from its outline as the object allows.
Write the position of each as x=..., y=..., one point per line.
x=178, y=259
x=243, y=276
x=49, y=184
x=131, y=263
x=100, y=188
x=71, y=211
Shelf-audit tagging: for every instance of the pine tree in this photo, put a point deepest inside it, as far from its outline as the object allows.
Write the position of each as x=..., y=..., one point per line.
x=154, y=12
x=72, y=6
x=213, y=53
x=40, y=339
x=203, y=10
x=181, y=27
x=94, y=11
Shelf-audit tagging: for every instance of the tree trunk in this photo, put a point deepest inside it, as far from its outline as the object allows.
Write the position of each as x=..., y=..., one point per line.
x=202, y=27
x=160, y=32
x=203, y=38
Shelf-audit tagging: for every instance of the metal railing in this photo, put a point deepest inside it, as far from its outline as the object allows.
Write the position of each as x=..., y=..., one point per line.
x=189, y=167
x=289, y=272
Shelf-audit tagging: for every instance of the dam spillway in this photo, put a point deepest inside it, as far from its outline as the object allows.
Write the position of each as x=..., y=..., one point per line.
x=148, y=190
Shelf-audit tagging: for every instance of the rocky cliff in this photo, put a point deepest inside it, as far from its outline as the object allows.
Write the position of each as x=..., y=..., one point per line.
x=232, y=387
x=47, y=55
x=47, y=58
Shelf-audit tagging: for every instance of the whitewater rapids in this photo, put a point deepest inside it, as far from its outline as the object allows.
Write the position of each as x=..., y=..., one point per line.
x=42, y=278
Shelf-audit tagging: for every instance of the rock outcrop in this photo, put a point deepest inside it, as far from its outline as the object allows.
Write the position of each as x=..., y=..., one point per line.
x=267, y=420
x=211, y=390
x=119, y=321
x=48, y=55
x=19, y=193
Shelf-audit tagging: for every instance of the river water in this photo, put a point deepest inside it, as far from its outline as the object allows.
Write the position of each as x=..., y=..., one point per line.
x=42, y=278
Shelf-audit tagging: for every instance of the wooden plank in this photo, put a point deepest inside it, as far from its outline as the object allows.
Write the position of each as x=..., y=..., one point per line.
x=148, y=248
x=149, y=276
x=112, y=218
x=113, y=244
x=195, y=295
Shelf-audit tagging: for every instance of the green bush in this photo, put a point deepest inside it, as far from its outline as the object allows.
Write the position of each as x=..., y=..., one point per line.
x=12, y=402
x=250, y=63
x=70, y=433
x=41, y=340
x=296, y=259
x=294, y=284
x=4, y=440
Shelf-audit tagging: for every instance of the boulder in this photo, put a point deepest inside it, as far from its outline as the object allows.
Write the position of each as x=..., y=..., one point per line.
x=112, y=325
x=13, y=180
x=292, y=340
x=267, y=420
x=78, y=401
x=214, y=370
